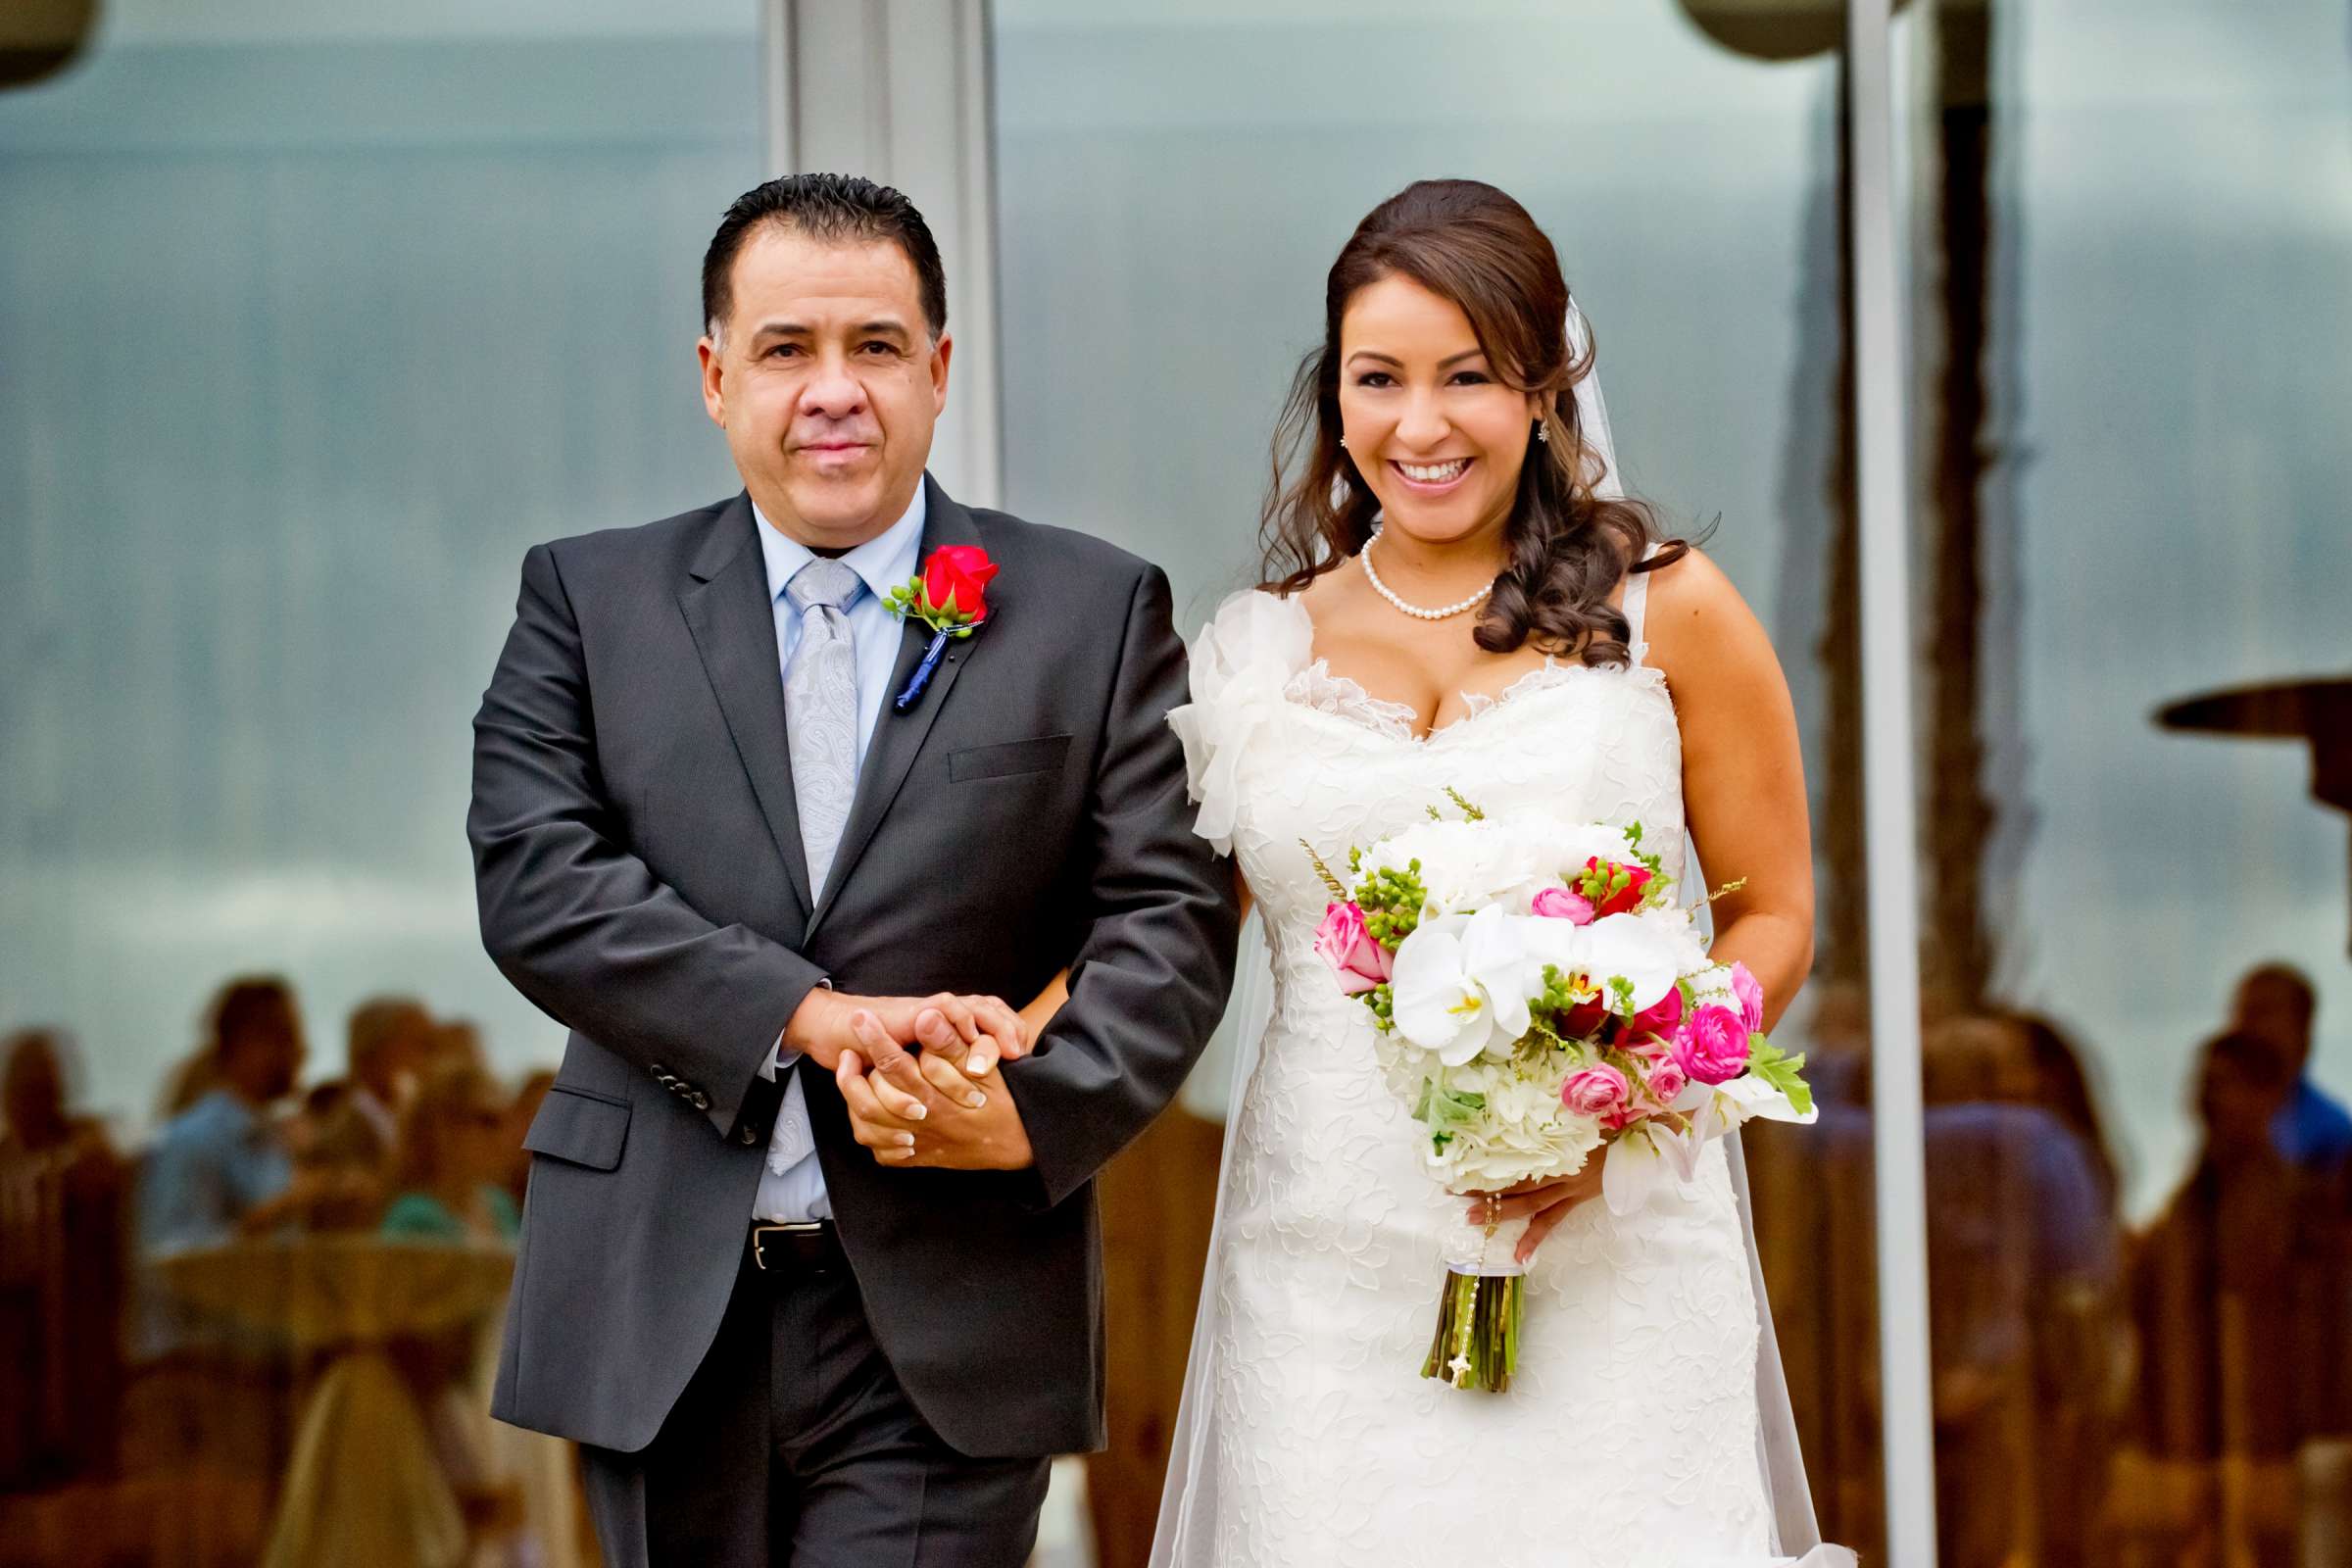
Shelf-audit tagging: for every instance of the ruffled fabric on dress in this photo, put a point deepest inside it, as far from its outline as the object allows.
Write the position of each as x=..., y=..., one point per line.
x=1239, y=663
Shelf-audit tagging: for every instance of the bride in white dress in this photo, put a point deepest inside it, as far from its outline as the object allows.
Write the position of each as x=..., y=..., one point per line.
x=1490, y=638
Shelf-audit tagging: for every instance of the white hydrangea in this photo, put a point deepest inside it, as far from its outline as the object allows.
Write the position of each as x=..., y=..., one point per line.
x=1465, y=867
x=1521, y=1131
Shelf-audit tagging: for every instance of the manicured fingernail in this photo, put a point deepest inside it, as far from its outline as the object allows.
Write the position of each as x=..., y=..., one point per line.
x=916, y=1112
x=977, y=1066
x=975, y=1102
x=906, y=1139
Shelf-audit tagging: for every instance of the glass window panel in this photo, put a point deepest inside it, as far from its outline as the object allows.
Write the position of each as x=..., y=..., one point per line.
x=2132, y=233
x=314, y=315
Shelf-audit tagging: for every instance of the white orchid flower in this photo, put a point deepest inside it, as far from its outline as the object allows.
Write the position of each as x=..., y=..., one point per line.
x=1751, y=1099
x=1462, y=986
x=1643, y=1157
x=1623, y=946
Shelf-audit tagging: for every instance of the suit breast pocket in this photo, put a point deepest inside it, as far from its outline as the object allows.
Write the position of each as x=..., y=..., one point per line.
x=1012, y=759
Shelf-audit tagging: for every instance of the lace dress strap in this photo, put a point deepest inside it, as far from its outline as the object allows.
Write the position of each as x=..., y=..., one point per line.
x=1636, y=604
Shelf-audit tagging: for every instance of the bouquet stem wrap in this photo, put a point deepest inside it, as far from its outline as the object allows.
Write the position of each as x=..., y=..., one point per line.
x=1476, y=1345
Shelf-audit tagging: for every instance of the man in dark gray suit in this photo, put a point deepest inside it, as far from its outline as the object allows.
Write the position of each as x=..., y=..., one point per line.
x=723, y=833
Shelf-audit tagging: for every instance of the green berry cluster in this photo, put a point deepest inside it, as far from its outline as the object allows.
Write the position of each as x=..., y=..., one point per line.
x=1623, y=990
x=1559, y=994
x=1600, y=883
x=1392, y=902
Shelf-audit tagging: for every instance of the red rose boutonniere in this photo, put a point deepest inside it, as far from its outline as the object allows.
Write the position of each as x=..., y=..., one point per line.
x=950, y=597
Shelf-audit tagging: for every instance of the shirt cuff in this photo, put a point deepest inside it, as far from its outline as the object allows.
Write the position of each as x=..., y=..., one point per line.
x=778, y=1059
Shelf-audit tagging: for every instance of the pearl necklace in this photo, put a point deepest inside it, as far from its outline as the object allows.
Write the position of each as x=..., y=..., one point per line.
x=1372, y=576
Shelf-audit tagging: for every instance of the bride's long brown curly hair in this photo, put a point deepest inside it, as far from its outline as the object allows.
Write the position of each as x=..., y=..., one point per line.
x=1569, y=548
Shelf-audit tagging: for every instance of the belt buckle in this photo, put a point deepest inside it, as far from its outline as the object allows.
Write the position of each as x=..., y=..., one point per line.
x=761, y=1234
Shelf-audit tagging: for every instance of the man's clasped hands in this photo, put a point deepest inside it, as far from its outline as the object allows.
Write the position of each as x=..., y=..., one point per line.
x=922, y=1075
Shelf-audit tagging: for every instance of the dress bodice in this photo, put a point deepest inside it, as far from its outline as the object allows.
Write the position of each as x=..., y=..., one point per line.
x=1284, y=754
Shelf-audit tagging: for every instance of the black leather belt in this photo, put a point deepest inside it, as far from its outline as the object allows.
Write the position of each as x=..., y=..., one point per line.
x=795, y=1250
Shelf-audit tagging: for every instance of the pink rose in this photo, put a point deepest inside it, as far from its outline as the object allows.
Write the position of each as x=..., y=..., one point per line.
x=1558, y=904
x=1342, y=942
x=1662, y=1017
x=1750, y=991
x=1712, y=1047
x=1595, y=1092
x=1665, y=1084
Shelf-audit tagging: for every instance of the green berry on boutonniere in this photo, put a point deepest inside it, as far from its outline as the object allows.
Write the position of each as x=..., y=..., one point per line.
x=950, y=593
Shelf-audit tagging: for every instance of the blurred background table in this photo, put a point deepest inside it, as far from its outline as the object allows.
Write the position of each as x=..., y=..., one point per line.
x=369, y=1483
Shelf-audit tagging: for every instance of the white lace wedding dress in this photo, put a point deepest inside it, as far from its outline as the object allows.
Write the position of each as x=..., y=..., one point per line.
x=1630, y=1437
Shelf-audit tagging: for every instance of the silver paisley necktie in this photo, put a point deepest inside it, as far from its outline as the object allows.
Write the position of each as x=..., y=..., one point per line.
x=821, y=710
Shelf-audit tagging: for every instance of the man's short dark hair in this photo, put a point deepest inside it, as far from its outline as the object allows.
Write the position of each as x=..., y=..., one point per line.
x=832, y=208
x=2302, y=996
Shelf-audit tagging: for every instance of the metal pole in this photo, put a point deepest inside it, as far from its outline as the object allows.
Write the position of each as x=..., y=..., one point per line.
x=984, y=377
x=777, y=51
x=1889, y=813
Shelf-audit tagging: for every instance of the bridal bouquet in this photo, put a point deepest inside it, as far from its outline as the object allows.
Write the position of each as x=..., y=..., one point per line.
x=1539, y=996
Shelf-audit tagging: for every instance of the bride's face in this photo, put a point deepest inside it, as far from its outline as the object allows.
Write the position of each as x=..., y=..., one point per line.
x=1433, y=430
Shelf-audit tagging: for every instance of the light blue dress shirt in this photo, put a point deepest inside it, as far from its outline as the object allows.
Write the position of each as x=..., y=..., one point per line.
x=791, y=1187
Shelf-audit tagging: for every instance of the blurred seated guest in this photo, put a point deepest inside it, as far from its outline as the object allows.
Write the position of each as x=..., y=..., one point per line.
x=456, y=1043
x=37, y=1124
x=2276, y=1003
x=339, y=1164
x=191, y=1078
x=2082, y=1348
x=2061, y=1085
x=451, y=1170
x=220, y=1167
x=207, y=1387
x=390, y=1043
x=2238, y=1291
x=528, y=1101
x=450, y=1182
x=62, y=1211
x=2024, y=1247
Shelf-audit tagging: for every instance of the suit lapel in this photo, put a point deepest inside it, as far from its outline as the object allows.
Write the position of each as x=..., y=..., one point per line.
x=734, y=624
x=899, y=737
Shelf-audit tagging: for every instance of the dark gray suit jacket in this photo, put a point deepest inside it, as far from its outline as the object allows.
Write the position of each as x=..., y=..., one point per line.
x=641, y=879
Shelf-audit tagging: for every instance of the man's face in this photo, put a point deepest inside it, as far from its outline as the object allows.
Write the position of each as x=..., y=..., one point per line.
x=2238, y=1095
x=2273, y=1010
x=827, y=382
